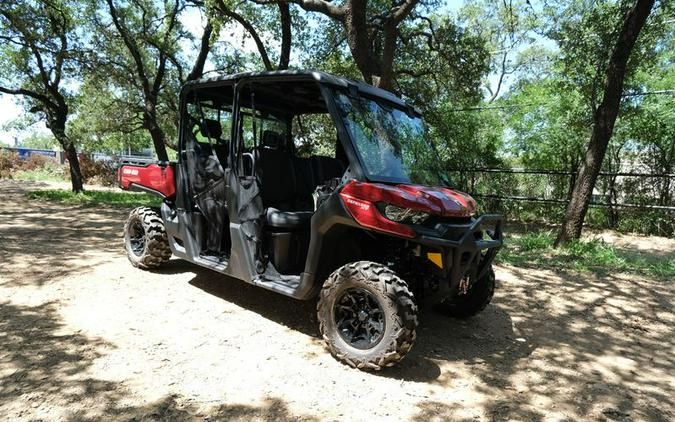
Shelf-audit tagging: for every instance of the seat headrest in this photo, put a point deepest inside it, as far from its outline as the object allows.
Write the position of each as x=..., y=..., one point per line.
x=211, y=128
x=272, y=139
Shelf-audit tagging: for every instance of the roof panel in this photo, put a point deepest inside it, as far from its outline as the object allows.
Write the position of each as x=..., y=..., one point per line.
x=318, y=76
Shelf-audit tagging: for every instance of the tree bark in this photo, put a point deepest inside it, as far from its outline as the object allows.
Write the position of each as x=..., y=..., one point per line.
x=359, y=41
x=286, y=36
x=604, y=118
x=204, y=49
x=375, y=64
x=74, y=164
x=156, y=133
x=57, y=126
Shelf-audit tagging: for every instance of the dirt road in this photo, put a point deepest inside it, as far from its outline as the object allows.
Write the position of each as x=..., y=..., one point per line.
x=85, y=336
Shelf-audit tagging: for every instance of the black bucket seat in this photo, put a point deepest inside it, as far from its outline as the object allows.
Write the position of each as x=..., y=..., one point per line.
x=279, y=185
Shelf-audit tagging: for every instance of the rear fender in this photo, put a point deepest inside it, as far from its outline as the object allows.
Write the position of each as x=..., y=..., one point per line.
x=151, y=178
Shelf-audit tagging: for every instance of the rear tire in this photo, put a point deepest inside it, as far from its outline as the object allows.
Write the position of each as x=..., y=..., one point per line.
x=145, y=239
x=367, y=316
x=475, y=300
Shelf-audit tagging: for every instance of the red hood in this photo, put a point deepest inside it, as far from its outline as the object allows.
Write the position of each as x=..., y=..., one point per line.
x=439, y=201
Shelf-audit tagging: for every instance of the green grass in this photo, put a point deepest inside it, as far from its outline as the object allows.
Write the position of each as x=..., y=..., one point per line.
x=95, y=197
x=593, y=255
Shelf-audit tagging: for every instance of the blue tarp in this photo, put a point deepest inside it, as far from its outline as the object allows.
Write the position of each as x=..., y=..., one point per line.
x=27, y=152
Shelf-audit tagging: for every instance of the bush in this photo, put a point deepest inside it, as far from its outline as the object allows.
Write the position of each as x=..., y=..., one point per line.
x=13, y=166
x=34, y=162
x=648, y=222
x=95, y=172
x=537, y=241
x=9, y=161
x=51, y=170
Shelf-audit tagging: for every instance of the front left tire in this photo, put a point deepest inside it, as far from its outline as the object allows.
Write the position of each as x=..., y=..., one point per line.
x=367, y=315
x=145, y=239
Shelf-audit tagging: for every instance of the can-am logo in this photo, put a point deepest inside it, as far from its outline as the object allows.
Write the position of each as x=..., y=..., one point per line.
x=132, y=172
x=364, y=206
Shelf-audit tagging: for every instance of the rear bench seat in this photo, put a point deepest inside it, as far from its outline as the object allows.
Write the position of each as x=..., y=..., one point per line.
x=288, y=183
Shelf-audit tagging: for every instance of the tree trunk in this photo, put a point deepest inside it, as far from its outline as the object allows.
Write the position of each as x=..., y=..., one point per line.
x=75, y=173
x=57, y=124
x=204, y=49
x=359, y=41
x=604, y=119
x=156, y=132
x=71, y=154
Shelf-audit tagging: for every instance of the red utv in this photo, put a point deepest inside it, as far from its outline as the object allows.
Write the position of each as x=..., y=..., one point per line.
x=370, y=224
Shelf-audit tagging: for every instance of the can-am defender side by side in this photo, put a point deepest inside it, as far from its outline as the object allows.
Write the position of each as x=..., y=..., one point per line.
x=370, y=225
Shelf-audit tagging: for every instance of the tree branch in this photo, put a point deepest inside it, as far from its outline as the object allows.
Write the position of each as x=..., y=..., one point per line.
x=399, y=13
x=322, y=6
x=131, y=46
x=250, y=29
x=286, y=36
x=159, y=76
x=205, y=46
x=28, y=93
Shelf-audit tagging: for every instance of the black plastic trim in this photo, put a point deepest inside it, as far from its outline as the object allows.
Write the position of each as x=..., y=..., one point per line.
x=135, y=187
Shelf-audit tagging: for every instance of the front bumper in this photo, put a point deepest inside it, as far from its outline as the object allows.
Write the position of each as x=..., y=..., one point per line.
x=468, y=249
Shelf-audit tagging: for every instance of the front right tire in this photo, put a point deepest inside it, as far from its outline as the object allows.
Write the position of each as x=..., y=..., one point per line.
x=473, y=302
x=367, y=315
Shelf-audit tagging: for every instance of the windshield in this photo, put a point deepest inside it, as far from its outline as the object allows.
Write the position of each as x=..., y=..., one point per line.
x=392, y=145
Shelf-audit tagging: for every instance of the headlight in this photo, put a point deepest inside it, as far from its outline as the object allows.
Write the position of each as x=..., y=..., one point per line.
x=399, y=214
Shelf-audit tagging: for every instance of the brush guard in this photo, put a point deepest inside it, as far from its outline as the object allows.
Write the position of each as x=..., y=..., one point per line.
x=467, y=258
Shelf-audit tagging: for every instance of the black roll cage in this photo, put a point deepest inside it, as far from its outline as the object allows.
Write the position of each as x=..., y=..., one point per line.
x=325, y=82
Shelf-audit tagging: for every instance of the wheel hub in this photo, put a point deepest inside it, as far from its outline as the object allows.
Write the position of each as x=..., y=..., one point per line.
x=137, y=238
x=359, y=318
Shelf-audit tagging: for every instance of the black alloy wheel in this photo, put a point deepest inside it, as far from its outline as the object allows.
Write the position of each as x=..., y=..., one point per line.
x=359, y=318
x=137, y=238
x=367, y=315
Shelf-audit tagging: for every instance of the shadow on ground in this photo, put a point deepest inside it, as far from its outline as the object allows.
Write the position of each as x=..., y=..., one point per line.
x=543, y=333
x=585, y=347
x=40, y=362
x=40, y=240
x=581, y=345
x=43, y=368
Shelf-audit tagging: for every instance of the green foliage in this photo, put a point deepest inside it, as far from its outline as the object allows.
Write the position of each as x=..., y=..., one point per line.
x=594, y=255
x=549, y=126
x=39, y=141
x=537, y=241
x=38, y=53
x=97, y=198
x=105, y=122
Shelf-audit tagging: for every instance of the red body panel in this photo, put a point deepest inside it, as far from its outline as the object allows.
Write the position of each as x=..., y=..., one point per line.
x=360, y=199
x=153, y=176
x=439, y=201
x=366, y=214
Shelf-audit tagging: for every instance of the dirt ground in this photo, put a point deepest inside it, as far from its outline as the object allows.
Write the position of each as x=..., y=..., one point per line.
x=85, y=336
